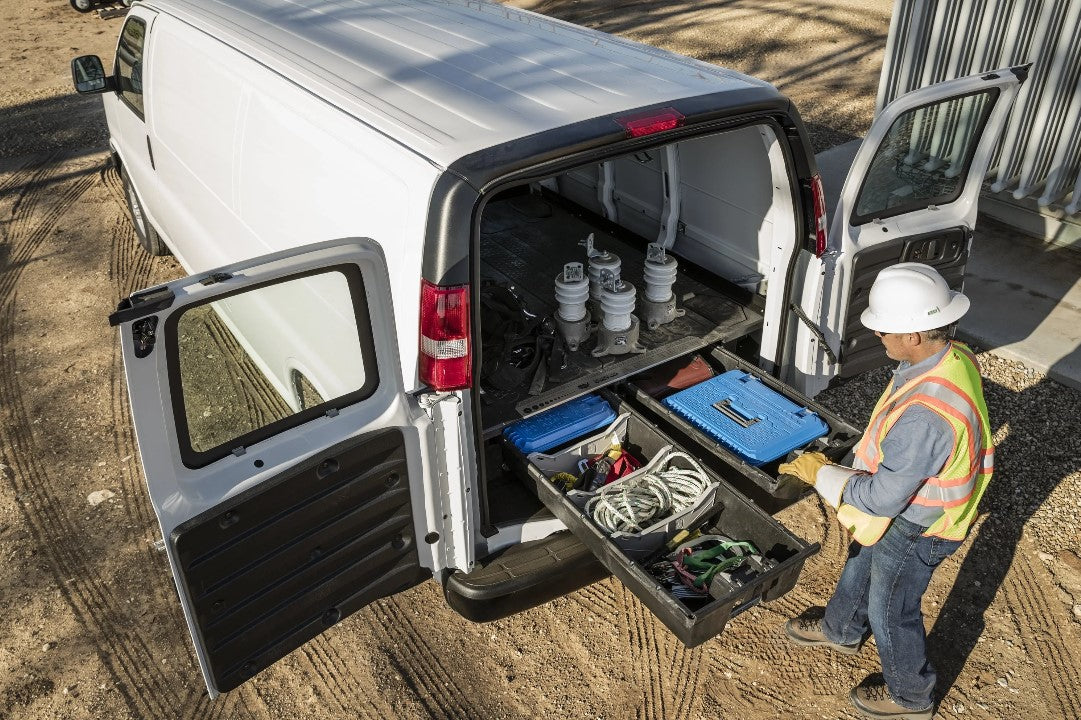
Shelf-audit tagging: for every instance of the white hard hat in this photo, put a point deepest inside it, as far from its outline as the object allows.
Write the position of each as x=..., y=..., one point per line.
x=912, y=297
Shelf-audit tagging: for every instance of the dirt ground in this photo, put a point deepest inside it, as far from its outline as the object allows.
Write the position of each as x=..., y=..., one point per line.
x=90, y=625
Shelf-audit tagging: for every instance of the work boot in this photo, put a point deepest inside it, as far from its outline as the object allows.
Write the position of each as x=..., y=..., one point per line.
x=872, y=698
x=806, y=629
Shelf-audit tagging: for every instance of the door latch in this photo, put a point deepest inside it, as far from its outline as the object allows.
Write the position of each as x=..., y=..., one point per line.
x=144, y=334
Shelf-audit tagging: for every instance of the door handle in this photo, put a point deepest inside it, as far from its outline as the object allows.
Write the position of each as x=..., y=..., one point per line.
x=150, y=152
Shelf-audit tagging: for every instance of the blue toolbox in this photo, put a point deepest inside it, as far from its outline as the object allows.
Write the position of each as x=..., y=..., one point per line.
x=752, y=420
x=559, y=425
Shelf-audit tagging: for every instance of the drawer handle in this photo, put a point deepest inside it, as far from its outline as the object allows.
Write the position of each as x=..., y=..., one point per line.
x=726, y=409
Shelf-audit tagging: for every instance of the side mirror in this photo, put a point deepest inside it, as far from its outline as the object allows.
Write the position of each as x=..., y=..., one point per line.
x=88, y=74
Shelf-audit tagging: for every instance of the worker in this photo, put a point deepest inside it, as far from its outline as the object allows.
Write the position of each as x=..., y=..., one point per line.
x=910, y=495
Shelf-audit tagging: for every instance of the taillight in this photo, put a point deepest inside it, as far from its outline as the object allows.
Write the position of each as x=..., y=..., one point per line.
x=652, y=121
x=820, y=215
x=446, y=354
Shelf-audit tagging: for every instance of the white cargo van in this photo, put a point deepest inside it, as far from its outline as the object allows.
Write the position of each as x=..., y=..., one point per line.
x=363, y=192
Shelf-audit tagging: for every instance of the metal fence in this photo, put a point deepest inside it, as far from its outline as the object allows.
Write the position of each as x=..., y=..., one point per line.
x=1039, y=155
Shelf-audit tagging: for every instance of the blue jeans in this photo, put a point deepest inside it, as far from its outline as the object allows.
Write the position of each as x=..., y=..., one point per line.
x=880, y=590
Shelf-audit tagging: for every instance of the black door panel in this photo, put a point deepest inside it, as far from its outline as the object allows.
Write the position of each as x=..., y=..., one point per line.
x=275, y=566
x=946, y=251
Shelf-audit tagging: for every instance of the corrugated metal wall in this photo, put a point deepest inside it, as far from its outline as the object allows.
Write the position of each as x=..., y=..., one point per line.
x=1039, y=155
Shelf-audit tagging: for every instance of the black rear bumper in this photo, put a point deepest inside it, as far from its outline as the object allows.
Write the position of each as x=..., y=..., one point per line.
x=522, y=577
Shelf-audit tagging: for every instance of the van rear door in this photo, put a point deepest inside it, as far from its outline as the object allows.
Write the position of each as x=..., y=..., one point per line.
x=910, y=196
x=286, y=502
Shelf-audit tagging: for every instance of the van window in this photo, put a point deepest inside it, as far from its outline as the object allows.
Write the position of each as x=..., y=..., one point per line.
x=129, y=64
x=252, y=364
x=924, y=157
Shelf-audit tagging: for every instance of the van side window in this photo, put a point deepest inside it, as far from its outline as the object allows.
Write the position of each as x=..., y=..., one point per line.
x=129, y=64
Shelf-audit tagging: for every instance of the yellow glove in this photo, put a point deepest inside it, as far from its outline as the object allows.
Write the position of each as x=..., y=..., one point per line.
x=805, y=467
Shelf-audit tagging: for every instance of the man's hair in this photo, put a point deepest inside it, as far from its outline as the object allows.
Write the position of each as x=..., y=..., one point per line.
x=940, y=334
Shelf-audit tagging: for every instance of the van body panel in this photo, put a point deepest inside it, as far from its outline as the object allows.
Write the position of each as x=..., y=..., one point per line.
x=129, y=134
x=323, y=509
x=248, y=163
x=450, y=78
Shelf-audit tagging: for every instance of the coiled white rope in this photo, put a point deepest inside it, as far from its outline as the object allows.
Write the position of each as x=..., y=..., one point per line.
x=634, y=504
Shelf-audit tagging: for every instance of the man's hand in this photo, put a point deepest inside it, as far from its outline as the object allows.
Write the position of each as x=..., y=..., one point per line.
x=805, y=467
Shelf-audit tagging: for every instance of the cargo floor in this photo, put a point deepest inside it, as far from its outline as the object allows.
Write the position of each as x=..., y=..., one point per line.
x=526, y=240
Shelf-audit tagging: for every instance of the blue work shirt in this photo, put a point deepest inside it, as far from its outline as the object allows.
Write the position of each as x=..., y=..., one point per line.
x=915, y=448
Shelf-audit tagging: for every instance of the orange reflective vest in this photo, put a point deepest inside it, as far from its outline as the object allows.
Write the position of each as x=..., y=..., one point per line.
x=952, y=389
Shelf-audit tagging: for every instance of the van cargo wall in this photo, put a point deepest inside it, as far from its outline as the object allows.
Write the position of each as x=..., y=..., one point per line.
x=732, y=190
x=728, y=204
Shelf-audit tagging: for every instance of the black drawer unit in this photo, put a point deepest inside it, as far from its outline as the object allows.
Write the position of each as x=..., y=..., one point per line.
x=731, y=514
x=842, y=436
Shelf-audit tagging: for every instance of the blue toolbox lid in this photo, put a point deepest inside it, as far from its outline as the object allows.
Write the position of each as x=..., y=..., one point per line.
x=554, y=427
x=752, y=420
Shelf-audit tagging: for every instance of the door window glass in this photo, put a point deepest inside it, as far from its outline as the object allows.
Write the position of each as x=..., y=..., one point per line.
x=924, y=158
x=257, y=362
x=129, y=64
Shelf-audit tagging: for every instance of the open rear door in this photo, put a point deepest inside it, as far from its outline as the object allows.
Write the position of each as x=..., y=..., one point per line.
x=284, y=461
x=910, y=196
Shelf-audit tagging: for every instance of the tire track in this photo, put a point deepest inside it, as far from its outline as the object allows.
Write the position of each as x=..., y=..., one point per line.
x=27, y=233
x=433, y=684
x=326, y=663
x=13, y=176
x=597, y=599
x=645, y=656
x=37, y=172
x=1031, y=598
x=125, y=655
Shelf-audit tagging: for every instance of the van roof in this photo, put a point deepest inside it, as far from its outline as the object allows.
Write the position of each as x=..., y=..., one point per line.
x=451, y=77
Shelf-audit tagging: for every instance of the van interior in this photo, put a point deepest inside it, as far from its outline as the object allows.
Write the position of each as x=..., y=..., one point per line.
x=722, y=206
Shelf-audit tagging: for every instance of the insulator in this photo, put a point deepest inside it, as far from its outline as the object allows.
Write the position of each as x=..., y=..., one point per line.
x=617, y=301
x=572, y=292
x=659, y=273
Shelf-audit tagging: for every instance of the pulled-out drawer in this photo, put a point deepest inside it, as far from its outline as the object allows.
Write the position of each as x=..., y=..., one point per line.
x=726, y=512
x=840, y=439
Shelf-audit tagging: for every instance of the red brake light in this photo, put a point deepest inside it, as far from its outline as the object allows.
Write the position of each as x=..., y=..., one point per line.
x=446, y=354
x=820, y=215
x=652, y=121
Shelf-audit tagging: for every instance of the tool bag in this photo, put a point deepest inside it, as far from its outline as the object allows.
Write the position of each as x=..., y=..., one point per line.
x=519, y=349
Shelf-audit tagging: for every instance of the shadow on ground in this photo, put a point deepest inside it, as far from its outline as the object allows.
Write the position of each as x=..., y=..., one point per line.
x=68, y=122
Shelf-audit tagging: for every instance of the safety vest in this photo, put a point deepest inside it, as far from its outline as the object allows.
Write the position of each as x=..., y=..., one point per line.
x=952, y=389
